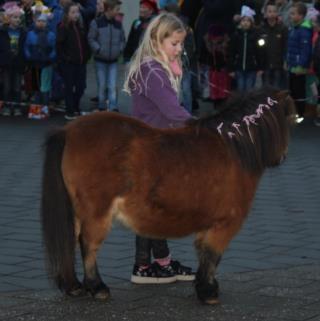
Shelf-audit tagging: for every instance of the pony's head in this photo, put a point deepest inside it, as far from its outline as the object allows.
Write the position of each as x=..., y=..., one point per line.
x=255, y=125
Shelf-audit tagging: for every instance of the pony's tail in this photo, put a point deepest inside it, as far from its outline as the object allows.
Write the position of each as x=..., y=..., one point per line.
x=57, y=214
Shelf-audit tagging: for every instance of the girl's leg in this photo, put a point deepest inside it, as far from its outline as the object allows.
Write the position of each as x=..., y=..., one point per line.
x=6, y=92
x=101, y=69
x=143, y=251
x=240, y=79
x=67, y=73
x=250, y=80
x=80, y=85
x=112, y=72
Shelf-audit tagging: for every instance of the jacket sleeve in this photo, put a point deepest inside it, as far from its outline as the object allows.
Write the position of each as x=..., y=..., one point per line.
x=60, y=43
x=93, y=36
x=129, y=48
x=305, y=47
x=159, y=90
x=122, y=39
x=52, y=42
x=26, y=47
x=231, y=53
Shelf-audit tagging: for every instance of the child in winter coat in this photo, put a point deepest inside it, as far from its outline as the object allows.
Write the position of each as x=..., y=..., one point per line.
x=11, y=60
x=245, y=59
x=72, y=55
x=299, y=55
x=273, y=35
x=107, y=40
x=40, y=52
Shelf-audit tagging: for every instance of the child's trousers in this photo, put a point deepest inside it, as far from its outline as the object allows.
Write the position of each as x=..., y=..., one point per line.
x=297, y=86
x=144, y=246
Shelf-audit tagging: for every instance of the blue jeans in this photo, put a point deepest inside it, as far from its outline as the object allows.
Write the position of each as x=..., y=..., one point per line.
x=186, y=92
x=273, y=78
x=245, y=80
x=107, y=78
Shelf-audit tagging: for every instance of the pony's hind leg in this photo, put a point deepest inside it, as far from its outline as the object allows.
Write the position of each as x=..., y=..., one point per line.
x=91, y=237
x=210, y=246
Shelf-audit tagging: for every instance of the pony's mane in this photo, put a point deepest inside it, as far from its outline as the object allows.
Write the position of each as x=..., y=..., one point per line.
x=255, y=126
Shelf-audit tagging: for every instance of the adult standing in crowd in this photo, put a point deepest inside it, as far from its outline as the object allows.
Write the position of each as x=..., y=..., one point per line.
x=148, y=10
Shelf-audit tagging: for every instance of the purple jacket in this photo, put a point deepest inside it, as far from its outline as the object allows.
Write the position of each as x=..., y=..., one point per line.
x=154, y=100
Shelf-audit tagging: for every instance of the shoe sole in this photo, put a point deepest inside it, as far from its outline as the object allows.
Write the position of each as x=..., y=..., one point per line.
x=186, y=277
x=152, y=280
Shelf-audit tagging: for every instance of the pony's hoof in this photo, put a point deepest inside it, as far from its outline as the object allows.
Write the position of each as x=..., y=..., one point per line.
x=212, y=301
x=208, y=293
x=99, y=291
x=76, y=292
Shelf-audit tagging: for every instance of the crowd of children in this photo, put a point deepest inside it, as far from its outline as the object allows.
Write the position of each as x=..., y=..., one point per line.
x=45, y=48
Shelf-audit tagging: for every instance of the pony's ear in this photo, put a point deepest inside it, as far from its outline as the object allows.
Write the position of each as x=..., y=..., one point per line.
x=283, y=94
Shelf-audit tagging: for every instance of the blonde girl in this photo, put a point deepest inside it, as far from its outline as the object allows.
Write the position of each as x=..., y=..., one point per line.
x=153, y=82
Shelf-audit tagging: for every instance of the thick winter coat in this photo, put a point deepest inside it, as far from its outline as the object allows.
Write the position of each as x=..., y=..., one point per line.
x=40, y=47
x=106, y=39
x=299, y=52
x=72, y=45
x=9, y=58
x=244, y=53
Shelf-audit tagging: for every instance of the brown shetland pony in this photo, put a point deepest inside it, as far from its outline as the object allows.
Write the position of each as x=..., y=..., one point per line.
x=160, y=183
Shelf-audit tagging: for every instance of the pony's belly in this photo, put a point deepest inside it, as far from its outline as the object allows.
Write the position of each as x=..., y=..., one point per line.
x=153, y=224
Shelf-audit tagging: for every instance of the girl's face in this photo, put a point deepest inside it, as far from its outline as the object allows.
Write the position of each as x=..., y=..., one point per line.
x=245, y=23
x=14, y=20
x=172, y=46
x=74, y=14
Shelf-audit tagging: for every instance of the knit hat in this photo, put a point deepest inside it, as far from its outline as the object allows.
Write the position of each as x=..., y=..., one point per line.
x=11, y=8
x=151, y=4
x=247, y=12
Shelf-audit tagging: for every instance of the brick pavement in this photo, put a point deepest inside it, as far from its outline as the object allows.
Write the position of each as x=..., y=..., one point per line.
x=274, y=261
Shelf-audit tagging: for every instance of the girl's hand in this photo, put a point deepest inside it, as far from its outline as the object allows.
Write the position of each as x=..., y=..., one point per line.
x=259, y=73
x=232, y=74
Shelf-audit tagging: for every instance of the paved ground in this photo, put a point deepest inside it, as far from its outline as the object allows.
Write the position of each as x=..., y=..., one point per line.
x=270, y=272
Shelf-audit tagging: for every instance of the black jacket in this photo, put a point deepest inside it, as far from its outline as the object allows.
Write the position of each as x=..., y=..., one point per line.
x=7, y=57
x=72, y=44
x=244, y=53
x=316, y=56
x=275, y=47
x=137, y=30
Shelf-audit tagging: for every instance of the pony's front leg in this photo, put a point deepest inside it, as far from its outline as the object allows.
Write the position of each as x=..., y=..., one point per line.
x=91, y=238
x=210, y=246
x=206, y=285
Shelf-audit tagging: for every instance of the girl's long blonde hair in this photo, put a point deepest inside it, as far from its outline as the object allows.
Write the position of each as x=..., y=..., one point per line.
x=160, y=28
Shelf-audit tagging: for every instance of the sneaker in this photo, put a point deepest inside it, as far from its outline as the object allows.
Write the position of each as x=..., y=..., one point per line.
x=153, y=274
x=94, y=99
x=317, y=121
x=17, y=112
x=299, y=119
x=6, y=111
x=183, y=273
